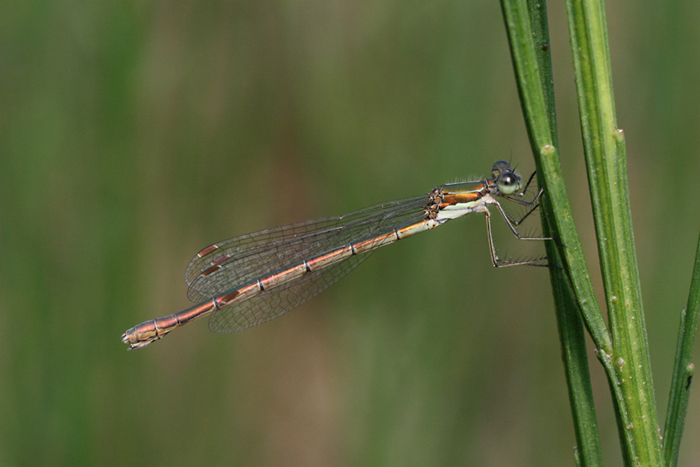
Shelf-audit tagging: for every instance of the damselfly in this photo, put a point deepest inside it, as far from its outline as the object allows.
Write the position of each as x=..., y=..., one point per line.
x=251, y=279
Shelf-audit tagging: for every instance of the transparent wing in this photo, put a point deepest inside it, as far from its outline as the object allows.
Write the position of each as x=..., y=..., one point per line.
x=270, y=305
x=230, y=263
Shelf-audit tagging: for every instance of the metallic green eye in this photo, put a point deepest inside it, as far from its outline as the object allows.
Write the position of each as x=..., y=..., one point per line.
x=509, y=183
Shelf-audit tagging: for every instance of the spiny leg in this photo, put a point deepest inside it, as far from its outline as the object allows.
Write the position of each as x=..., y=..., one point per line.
x=501, y=263
x=532, y=207
x=512, y=224
x=529, y=180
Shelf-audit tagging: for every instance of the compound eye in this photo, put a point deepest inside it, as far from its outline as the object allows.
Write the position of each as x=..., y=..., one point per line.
x=508, y=183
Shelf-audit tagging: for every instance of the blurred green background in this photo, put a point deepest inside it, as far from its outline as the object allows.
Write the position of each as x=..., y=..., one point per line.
x=132, y=134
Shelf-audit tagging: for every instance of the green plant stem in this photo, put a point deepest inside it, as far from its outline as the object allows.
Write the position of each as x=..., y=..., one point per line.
x=604, y=147
x=526, y=24
x=573, y=344
x=683, y=369
x=557, y=209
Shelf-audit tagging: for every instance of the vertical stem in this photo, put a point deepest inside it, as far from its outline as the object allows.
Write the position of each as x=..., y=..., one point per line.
x=526, y=23
x=604, y=146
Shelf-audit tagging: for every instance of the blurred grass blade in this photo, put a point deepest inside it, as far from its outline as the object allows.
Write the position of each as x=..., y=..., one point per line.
x=526, y=23
x=682, y=370
x=604, y=146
